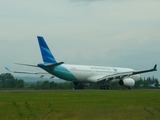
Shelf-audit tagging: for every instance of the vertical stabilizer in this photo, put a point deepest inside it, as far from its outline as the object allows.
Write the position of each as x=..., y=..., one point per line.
x=45, y=51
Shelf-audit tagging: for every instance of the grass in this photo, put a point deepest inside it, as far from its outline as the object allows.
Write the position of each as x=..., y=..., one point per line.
x=81, y=105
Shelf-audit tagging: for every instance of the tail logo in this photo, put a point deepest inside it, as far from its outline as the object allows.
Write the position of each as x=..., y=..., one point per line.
x=45, y=51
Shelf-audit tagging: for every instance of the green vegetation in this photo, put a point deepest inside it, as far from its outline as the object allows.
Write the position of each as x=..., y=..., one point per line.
x=81, y=105
x=8, y=81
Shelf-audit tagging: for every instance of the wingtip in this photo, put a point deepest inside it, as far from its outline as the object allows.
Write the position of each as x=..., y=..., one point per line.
x=7, y=69
x=155, y=67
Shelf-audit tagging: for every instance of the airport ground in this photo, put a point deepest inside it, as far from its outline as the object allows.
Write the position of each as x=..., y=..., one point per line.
x=80, y=104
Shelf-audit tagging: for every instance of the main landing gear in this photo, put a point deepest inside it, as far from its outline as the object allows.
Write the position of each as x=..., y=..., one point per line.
x=78, y=85
x=104, y=87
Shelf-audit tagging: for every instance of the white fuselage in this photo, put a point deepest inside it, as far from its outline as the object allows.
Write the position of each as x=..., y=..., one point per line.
x=84, y=73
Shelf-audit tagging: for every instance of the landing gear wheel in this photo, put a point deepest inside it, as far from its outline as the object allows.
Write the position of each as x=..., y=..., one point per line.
x=82, y=87
x=108, y=88
x=101, y=87
x=75, y=87
x=78, y=87
x=104, y=87
x=129, y=88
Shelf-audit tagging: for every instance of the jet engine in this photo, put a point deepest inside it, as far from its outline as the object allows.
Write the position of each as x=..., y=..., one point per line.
x=128, y=82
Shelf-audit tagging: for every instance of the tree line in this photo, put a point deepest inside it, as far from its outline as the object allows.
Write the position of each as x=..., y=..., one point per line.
x=7, y=81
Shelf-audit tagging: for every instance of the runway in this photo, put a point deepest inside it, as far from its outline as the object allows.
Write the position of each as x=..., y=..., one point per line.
x=12, y=91
x=34, y=90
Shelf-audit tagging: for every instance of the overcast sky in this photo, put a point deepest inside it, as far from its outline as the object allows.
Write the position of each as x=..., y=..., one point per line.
x=119, y=33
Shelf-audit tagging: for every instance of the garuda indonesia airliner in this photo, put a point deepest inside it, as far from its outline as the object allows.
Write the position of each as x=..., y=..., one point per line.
x=82, y=75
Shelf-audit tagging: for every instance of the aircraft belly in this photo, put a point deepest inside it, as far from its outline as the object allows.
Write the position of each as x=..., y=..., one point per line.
x=82, y=75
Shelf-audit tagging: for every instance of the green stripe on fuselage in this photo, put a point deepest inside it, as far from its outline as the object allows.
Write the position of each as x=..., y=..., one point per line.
x=61, y=72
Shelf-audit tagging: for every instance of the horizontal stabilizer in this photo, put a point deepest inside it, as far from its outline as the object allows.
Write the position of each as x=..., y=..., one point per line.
x=49, y=65
x=26, y=64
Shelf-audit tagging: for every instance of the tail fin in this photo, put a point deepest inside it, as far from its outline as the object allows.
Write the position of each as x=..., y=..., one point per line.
x=45, y=51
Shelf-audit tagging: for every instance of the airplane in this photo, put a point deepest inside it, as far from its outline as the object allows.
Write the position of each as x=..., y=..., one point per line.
x=82, y=75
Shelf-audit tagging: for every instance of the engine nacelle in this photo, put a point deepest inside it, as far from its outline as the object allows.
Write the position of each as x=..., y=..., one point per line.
x=128, y=82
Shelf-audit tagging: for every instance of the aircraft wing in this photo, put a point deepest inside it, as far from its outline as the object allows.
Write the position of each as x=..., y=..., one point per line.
x=23, y=72
x=115, y=76
x=144, y=71
x=124, y=74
